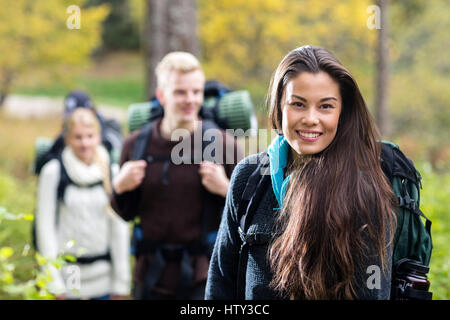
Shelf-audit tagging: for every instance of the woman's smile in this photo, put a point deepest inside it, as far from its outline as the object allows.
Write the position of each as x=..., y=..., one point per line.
x=309, y=136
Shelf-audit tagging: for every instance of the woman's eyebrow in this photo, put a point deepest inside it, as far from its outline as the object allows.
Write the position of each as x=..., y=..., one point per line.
x=321, y=100
x=299, y=97
x=328, y=98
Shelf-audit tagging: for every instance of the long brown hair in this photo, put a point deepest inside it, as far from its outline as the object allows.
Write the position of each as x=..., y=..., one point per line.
x=335, y=204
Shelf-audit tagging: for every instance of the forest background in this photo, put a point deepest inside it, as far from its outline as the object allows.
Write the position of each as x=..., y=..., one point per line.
x=108, y=48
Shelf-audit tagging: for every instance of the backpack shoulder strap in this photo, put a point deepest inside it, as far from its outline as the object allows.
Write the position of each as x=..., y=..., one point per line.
x=255, y=188
x=395, y=163
x=64, y=180
x=387, y=159
x=51, y=153
x=212, y=204
x=142, y=140
x=399, y=169
x=139, y=153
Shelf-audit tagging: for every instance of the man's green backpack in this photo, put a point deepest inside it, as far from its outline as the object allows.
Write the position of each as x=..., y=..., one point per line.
x=228, y=109
x=412, y=239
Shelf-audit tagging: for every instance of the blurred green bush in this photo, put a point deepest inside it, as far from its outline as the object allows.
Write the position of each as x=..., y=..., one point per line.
x=435, y=203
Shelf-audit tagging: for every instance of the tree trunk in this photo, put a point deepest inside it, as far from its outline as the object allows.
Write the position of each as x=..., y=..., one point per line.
x=5, y=86
x=382, y=78
x=170, y=25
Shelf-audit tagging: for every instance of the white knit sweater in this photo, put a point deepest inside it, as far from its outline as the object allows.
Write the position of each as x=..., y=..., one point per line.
x=87, y=226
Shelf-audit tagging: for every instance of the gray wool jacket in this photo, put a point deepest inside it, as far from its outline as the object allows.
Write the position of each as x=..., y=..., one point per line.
x=372, y=284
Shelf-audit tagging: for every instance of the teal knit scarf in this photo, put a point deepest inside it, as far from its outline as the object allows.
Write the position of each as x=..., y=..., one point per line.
x=278, y=152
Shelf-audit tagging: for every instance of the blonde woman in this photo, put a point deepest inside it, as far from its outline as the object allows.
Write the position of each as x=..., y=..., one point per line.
x=74, y=217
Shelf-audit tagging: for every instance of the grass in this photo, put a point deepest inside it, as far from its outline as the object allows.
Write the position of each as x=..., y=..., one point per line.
x=18, y=188
x=117, y=79
x=435, y=201
x=120, y=92
x=17, y=142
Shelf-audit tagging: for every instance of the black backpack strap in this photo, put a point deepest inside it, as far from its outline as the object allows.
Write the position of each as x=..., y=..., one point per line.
x=395, y=163
x=140, y=151
x=52, y=153
x=254, y=190
x=91, y=259
x=65, y=180
x=408, y=203
x=212, y=204
x=143, y=139
x=133, y=197
x=387, y=160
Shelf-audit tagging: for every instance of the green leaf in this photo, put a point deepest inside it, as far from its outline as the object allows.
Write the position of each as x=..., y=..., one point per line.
x=69, y=257
x=41, y=260
x=28, y=217
x=7, y=277
x=5, y=253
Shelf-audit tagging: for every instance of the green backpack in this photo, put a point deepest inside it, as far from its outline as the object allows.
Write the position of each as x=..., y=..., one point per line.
x=412, y=239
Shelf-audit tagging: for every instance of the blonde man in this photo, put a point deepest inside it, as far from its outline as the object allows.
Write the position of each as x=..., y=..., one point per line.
x=169, y=198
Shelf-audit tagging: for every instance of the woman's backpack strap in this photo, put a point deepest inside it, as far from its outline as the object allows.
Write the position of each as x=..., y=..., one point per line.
x=254, y=190
x=387, y=159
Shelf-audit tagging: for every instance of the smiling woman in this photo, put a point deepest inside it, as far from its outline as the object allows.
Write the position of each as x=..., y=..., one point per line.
x=334, y=217
x=83, y=135
x=311, y=108
x=338, y=205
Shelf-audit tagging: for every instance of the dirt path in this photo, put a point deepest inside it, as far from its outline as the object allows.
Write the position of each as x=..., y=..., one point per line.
x=42, y=107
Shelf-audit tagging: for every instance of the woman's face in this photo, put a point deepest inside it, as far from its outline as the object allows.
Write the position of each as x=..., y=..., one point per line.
x=84, y=140
x=311, y=107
